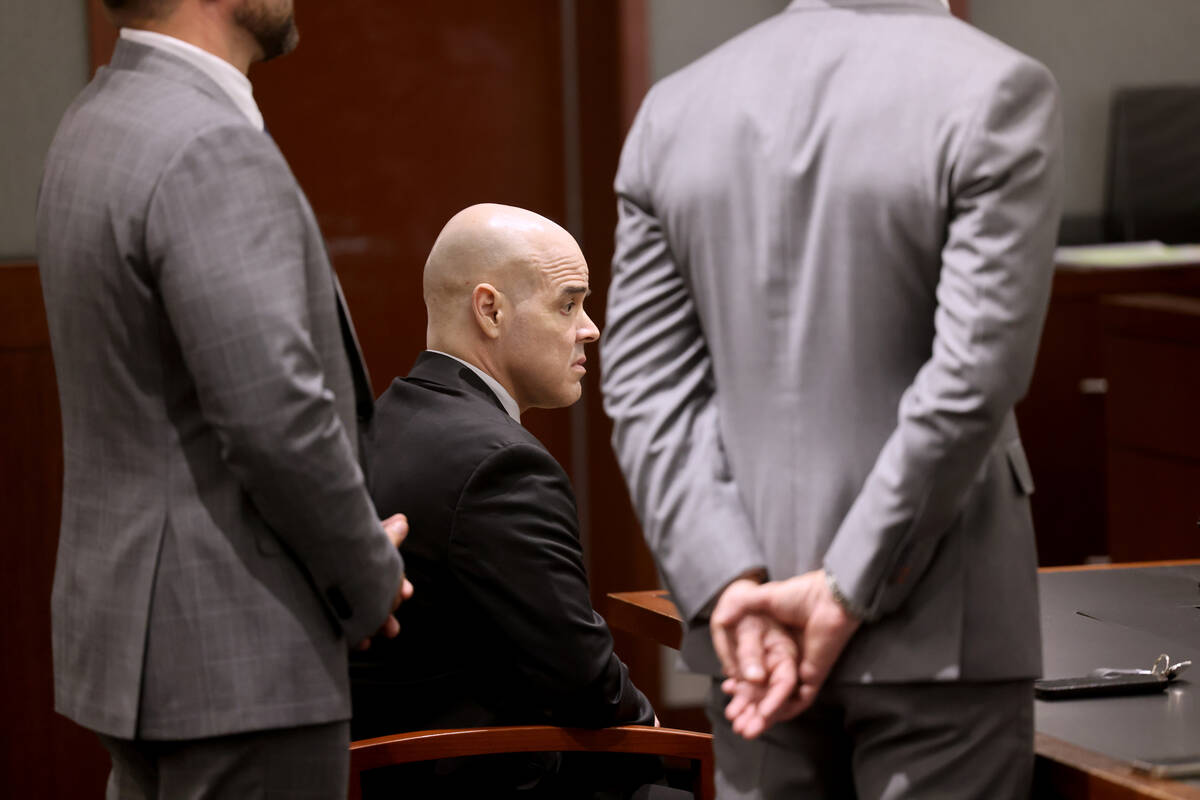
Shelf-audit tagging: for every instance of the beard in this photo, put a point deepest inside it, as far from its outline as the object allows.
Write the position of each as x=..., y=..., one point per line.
x=273, y=26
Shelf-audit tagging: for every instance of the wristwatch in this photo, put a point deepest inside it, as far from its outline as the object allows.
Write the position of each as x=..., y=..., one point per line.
x=849, y=606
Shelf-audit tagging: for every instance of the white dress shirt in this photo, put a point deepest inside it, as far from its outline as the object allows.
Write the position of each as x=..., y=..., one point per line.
x=224, y=74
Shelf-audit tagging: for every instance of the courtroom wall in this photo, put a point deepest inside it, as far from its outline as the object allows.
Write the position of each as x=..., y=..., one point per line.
x=682, y=30
x=1094, y=47
x=43, y=65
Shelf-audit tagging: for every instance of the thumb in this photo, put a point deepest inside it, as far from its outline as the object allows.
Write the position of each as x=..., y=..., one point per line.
x=396, y=527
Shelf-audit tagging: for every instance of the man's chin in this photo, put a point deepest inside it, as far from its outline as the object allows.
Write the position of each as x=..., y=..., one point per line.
x=276, y=35
x=280, y=43
x=572, y=395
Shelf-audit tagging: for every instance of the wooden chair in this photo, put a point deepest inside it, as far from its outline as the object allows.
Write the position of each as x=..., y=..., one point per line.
x=405, y=748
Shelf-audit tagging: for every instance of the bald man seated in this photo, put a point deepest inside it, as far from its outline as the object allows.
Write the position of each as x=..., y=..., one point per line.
x=501, y=630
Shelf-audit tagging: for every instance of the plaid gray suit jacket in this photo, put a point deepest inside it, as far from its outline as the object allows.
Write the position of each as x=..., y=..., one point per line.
x=218, y=547
x=832, y=263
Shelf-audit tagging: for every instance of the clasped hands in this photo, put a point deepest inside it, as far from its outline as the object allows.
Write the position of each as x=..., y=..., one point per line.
x=396, y=527
x=777, y=643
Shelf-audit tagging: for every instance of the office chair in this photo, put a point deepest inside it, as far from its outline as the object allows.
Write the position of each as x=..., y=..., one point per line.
x=1153, y=188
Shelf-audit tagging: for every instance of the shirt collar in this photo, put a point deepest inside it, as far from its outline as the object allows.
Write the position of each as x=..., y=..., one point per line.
x=796, y=4
x=226, y=75
x=502, y=394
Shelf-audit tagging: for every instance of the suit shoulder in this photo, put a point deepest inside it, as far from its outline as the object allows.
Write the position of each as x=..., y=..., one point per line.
x=463, y=425
x=153, y=107
x=980, y=56
x=430, y=447
x=129, y=128
x=933, y=53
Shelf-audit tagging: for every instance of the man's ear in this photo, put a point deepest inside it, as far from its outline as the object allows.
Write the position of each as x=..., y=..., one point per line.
x=487, y=304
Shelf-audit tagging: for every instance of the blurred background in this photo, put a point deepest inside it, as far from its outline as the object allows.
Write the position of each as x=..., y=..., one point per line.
x=396, y=115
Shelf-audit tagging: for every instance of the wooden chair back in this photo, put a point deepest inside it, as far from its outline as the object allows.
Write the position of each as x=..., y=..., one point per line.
x=405, y=748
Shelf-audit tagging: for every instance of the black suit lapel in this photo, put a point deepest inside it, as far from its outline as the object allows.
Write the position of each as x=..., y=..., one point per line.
x=364, y=398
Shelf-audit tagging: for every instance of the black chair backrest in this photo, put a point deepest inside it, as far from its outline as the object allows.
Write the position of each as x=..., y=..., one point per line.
x=1154, y=165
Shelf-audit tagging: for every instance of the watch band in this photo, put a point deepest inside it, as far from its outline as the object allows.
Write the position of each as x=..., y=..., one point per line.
x=848, y=605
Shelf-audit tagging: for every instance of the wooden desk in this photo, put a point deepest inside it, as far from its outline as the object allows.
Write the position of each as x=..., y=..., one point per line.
x=1151, y=347
x=1062, y=417
x=1065, y=768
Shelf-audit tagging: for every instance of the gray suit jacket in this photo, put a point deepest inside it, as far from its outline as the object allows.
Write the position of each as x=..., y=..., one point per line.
x=832, y=264
x=218, y=547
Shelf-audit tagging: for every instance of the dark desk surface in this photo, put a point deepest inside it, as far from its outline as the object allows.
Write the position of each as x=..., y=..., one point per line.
x=1123, y=618
x=1130, y=614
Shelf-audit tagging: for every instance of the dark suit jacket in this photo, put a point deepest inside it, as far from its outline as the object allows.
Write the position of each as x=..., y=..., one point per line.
x=500, y=629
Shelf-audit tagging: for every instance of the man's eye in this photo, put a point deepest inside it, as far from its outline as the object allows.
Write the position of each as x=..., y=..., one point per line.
x=569, y=307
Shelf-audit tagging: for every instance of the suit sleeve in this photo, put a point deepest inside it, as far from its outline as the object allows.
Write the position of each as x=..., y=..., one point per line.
x=997, y=266
x=226, y=237
x=659, y=391
x=514, y=549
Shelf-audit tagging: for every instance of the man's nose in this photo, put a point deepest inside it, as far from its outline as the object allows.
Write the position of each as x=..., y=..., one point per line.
x=588, y=331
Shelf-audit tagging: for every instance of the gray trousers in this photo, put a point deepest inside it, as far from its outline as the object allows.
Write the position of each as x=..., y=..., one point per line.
x=886, y=742
x=306, y=762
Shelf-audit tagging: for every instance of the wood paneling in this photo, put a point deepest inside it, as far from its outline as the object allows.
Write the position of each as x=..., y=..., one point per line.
x=102, y=34
x=1153, y=506
x=1062, y=418
x=1151, y=347
x=609, y=85
x=634, y=58
x=394, y=116
x=1062, y=429
x=41, y=753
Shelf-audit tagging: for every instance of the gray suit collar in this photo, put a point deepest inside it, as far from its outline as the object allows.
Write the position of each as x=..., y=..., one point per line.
x=810, y=5
x=155, y=61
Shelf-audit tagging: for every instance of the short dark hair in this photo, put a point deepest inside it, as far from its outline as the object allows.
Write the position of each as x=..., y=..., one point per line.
x=139, y=9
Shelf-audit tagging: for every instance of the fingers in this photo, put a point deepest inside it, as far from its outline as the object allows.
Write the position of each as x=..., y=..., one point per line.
x=742, y=708
x=723, y=643
x=741, y=597
x=782, y=655
x=749, y=649
x=403, y=592
x=742, y=697
x=793, y=707
x=396, y=527
x=824, y=640
x=818, y=660
x=390, y=628
x=779, y=689
x=755, y=707
x=723, y=625
x=795, y=631
x=805, y=697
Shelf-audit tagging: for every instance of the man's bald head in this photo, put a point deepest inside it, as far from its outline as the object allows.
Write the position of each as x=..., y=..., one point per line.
x=503, y=246
x=504, y=290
